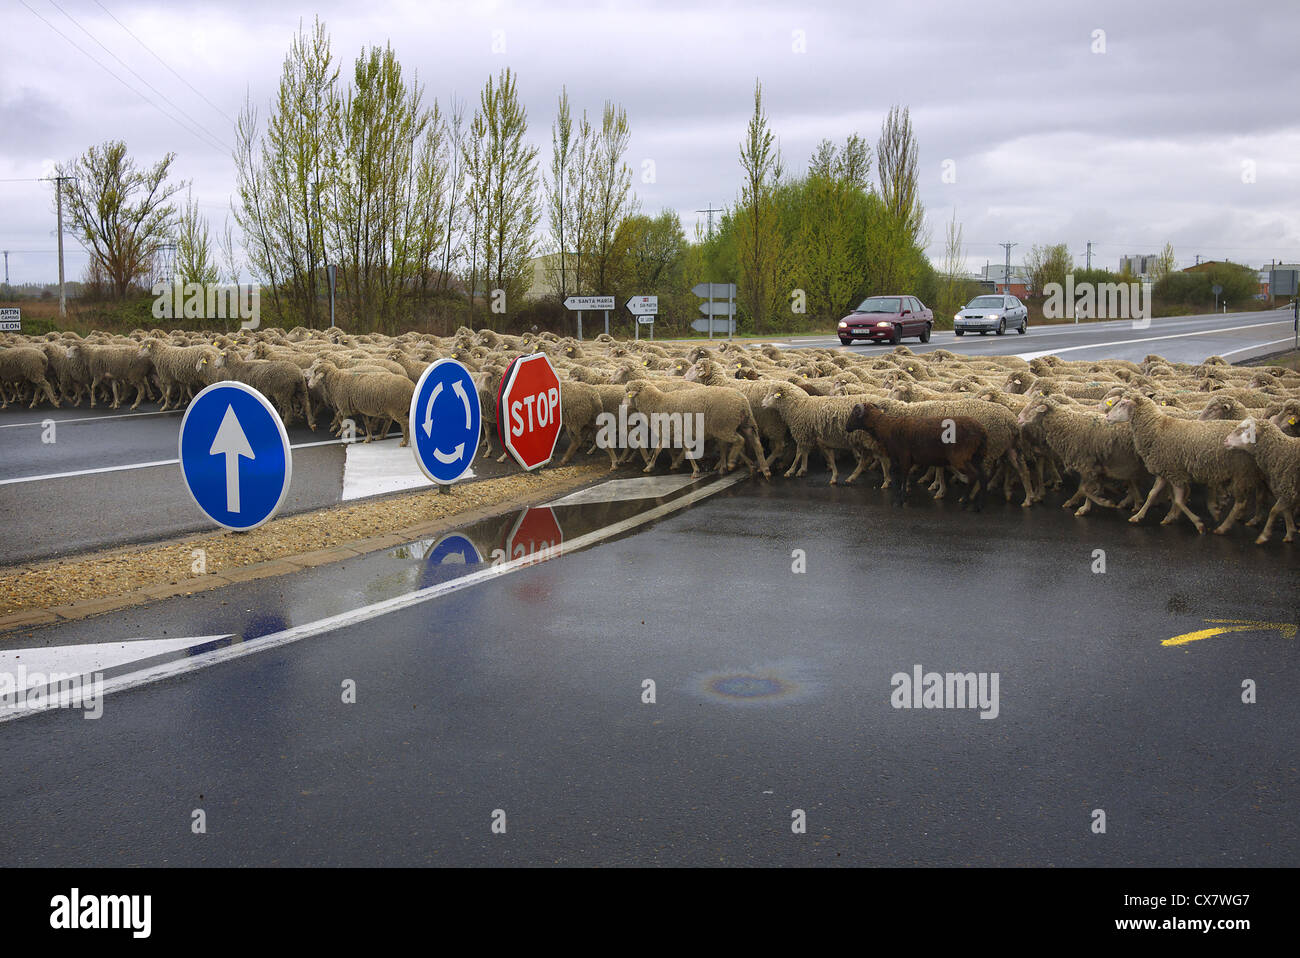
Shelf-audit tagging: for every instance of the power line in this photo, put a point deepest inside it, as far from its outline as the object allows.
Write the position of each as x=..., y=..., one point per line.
x=97, y=63
x=211, y=139
x=164, y=63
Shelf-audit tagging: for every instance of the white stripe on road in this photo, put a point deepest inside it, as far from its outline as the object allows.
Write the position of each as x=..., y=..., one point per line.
x=157, y=673
x=139, y=465
x=373, y=469
x=125, y=415
x=1150, y=339
x=1246, y=349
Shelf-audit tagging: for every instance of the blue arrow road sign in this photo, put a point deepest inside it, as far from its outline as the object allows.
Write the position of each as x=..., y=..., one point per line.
x=445, y=421
x=235, y=456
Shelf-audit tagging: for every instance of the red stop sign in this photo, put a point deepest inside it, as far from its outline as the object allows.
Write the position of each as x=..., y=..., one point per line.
x=528, y=410
x=535, y=535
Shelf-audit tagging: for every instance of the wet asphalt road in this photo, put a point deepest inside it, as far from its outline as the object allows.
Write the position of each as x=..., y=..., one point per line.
x=773, y=694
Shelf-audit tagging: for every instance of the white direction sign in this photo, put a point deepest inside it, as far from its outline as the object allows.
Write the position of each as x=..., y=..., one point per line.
x=589, y=302
x=715, y=308
x=643, y=305
x=714, y=290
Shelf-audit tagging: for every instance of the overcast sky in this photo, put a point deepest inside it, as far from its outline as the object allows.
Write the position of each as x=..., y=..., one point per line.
x=1150, y=141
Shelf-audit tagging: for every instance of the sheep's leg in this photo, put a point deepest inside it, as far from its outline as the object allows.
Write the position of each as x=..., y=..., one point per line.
x=886, y=470
x=942, y=483
x=1180, y=501
x=829, y=454
x=1287, y=517
x=800, y=454
x=1238, y=507
x=1019, y=462
x=406, y=431
x=756, y=441
x=898, y=475
x=862, y=465
x=1156, y=488
x=573, y=446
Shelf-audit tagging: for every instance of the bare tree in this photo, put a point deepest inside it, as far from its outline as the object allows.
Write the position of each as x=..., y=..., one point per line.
x=119, y=212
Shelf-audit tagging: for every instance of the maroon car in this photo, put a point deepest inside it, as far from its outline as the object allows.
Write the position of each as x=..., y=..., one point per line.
x=887, y=318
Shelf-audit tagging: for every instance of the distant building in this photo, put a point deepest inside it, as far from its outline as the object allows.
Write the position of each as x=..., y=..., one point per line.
x=996, y=276
x=545, y=275
x=1141, y=265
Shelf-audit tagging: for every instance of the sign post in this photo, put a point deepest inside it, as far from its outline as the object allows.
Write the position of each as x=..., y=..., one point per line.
x=643, y=310
x=234, y=455
x=579, y=303
x=711, y=308
x=11, y=320
x=529, y=415
x=445, y=422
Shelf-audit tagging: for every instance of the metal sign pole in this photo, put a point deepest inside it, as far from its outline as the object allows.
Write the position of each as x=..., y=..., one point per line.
x=710, y=311
x=579, y=325
x=731, y=312
x=606, y=322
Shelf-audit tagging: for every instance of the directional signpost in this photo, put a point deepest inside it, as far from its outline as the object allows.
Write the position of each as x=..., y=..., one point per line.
x=235, y=456
x=11, y=320
x=645, y=309
x=709, y=292
x=579, y=303
x=445, y=421
x=528, y=410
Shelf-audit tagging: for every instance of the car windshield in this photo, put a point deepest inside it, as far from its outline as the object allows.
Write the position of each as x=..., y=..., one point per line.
x=983, y=301
x=878, y=304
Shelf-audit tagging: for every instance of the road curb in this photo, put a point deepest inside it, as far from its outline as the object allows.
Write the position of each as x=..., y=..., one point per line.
x=282, y=565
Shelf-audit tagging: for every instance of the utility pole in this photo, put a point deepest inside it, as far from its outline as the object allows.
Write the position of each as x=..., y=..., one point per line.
x=1006, y=275
x=710, y=211
x=58, y=192
x=1089, y=254
x=6, y=267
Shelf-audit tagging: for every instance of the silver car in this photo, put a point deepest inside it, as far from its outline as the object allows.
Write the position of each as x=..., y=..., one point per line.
x=991, y=313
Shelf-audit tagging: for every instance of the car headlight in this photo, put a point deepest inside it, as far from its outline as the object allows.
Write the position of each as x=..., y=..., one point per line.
x=993, y=316
x=882, y=323
x=956, y=316
x=843, y=324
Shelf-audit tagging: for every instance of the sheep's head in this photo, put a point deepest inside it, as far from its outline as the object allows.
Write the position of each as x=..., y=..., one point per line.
x=1121, y=409
x=861, y=416
x=1032, y=413
x=1243, y=437
x=775, y=396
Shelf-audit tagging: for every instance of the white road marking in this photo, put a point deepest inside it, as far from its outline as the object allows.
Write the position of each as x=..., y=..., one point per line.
x=1150, y=339
x=623, y=490
x=372, y=469
x=124, y=415
x=156, y=673
x=94, y=657
x=1246, y=349
x=138, y=465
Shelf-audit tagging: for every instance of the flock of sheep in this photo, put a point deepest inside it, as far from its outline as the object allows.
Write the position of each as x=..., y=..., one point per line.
x=1131, y=434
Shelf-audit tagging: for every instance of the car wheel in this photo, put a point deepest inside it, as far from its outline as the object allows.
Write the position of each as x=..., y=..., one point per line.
x=846, y=342
x=925, y=334
x=959, y=332
x=1024, y=328
x=1002, y=327
x=984, y=332
x=896, y=336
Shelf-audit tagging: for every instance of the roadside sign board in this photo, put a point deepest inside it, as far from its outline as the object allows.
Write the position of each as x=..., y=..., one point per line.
x=714, y=290
x=11, y=320
x=646, y=320
x=589, y=302
x=528, y=410
x=445, y=421
x=1216, y=289
x=715, y=308
x=535, y=534
x=643, y=305
x=235, y=456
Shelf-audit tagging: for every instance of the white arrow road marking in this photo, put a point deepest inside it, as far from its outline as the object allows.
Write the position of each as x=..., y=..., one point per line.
x=158, y=672
x=447, y=460
x=231, y=443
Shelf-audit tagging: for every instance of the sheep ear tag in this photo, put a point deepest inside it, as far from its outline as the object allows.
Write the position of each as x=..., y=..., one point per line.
x=446, y=421
x=234, y=455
